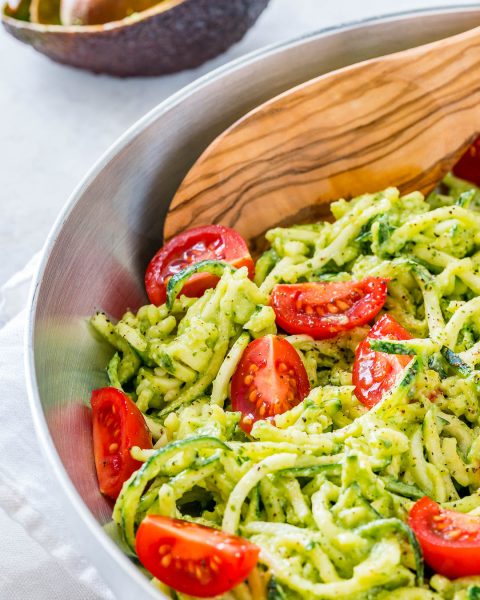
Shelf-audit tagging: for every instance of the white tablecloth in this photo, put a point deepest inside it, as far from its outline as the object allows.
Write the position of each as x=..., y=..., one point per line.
x=39, y=559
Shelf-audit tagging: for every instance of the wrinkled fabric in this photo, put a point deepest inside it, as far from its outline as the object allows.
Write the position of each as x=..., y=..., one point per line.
x=39, y=558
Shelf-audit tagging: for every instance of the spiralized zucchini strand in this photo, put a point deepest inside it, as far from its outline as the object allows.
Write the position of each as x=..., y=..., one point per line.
x=323, y=489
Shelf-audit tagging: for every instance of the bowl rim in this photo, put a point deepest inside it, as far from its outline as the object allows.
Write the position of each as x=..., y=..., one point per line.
x=55, y=464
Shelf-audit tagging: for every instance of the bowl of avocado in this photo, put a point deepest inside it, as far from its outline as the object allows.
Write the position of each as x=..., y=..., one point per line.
x=131, y=37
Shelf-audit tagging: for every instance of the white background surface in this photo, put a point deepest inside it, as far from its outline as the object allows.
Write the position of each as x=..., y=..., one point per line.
x=54, y=124
x=56, y=121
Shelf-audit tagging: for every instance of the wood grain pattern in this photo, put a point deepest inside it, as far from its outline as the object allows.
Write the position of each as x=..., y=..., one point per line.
x=402, y=120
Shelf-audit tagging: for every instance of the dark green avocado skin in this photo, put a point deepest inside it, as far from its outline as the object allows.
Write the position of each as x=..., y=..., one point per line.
x=182, y=37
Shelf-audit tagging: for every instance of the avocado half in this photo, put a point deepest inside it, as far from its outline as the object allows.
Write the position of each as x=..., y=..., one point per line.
x=169, y=37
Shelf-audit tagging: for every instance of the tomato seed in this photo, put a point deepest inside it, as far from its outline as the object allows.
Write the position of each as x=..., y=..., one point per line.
x=253, y=368
x=454, y=534
x=166, y=560
x=261, y=410
x=438, y=518
x=113, y=448
x=191, y=567
x=248, y=379
x=309, y=309
x=332, y=308
x=164, y=548
x=282, y=367
x=259, y=402
x=252, y=396
x=214, y=567
x=342, y=305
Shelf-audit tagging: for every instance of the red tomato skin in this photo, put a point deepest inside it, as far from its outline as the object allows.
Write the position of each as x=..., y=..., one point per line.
x=234, y=557
x=225, y=244
x=450, y=557
x=321, y=323
x=374, y=373
x=468, y=167
x=114, y=411
x=275, y=390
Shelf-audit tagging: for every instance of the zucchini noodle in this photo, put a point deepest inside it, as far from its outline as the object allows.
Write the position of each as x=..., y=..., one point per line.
x=325, y=488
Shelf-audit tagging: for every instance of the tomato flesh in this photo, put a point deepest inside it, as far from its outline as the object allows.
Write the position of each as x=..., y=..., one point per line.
x=450, y=540
x=468, y=167
x=269, y=380
x=193, y=559
x=117, y=426
x=324, y=309
x=212, y=242
x=374, y=373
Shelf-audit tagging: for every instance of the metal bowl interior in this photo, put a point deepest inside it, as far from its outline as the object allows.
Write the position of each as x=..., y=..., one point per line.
x=98, y=250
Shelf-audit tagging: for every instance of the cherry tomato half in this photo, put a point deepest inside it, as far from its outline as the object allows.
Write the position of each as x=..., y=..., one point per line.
x=450, y=540
x=117, y=426
x=193, y=559
x=324, y=309
x=214, y=242
x=468, y=167
x=374, y=373
x=269, y=380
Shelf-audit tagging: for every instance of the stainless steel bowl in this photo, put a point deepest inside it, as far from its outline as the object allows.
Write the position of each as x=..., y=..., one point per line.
x=98, y=250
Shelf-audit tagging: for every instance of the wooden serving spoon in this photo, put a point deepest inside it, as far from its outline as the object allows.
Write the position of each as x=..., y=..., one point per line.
x=402, y=119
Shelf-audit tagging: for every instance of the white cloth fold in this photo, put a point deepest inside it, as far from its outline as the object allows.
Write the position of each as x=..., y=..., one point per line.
x=39, y=559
